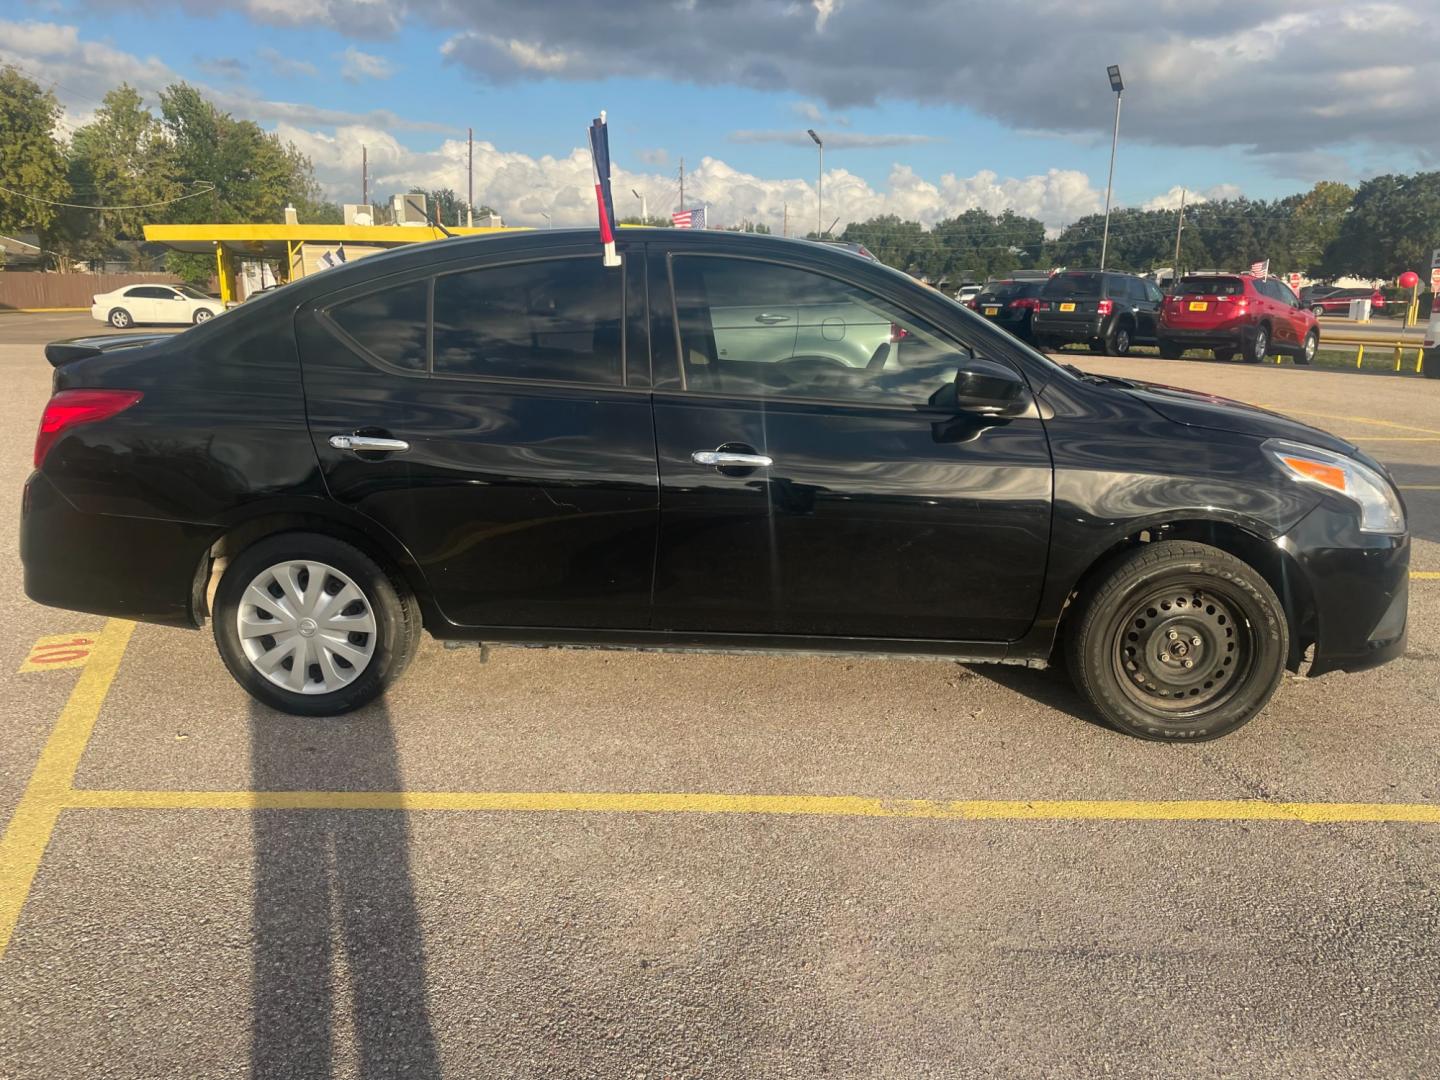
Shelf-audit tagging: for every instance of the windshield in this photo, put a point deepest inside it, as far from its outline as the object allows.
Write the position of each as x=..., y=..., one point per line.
x=1077, y=284
x=191, y=291
x=1211, y=286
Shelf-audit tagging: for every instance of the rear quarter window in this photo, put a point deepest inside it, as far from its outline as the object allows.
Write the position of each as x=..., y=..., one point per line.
x=1210, y=286
x=391, y=324
x=1074, y=284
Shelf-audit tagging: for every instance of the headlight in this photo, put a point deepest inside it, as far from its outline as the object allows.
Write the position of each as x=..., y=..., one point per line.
x=1380, y=510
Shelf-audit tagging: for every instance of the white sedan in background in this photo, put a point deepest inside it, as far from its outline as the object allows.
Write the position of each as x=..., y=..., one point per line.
x=137, y=304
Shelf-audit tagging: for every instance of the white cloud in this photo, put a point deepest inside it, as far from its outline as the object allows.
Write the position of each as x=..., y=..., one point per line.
x=287, y=67
x=1170, y=200
x=823, y=10
x=521, y=187
x=356, y=66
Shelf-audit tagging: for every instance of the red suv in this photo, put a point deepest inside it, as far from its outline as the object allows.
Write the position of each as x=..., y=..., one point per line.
x=1236, y=313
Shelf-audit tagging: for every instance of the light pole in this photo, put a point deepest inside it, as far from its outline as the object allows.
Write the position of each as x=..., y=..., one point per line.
x=1118, y=86
x=548, y=223
x=644, y=210
x=819, y=186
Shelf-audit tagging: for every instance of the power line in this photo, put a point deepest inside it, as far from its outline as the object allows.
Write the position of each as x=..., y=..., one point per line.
x=136, y=206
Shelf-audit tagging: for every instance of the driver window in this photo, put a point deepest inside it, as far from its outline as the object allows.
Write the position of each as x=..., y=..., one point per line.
x=758, y=329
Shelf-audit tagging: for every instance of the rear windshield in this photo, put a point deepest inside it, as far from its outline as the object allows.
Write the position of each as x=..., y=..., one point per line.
x=1080, y=284
x=1011, y=290
x=1210, y=286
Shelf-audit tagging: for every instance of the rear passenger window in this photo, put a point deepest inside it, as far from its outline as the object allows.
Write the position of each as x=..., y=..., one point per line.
x=390, y=323
x=554, y=320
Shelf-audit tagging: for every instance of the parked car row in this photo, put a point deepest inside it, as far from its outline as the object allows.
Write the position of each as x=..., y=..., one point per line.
x=1229, y=314
x=1329, y=300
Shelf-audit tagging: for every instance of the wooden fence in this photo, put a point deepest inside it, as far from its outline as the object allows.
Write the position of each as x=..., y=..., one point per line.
x=20, y=289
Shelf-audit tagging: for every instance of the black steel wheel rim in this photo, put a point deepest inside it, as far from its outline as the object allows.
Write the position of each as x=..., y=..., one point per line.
x=1183, y=648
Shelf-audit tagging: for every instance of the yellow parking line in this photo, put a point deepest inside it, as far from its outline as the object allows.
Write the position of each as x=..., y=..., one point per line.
x=649, y=802
x=1426, y=575
x=1356, y=419
x=48, y=791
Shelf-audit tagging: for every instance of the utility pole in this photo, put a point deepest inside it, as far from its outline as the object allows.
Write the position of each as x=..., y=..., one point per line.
x=1118, y=85
x=682, y=184
x=819, y=186
x=785, y=227
x=364, y=177
x=1179, y=227
x=469, y=177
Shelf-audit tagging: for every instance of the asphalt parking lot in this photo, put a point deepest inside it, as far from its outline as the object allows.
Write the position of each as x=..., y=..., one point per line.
x=596, y=864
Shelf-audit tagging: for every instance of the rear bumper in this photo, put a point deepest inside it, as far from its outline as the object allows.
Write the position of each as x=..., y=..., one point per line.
x=1221, y=337
x=1359, y=590
x=132, y=568
x=1062, y=327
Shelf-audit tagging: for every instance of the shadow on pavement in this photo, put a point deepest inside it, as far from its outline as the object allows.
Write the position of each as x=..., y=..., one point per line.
x=1051, y=688
x=334, y=907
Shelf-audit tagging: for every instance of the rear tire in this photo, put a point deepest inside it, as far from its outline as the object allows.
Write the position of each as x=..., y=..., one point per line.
x=1170, y=351
x=1119, y=340
x=1317, y=311
x=1178, y=641
x=1259, y=347
x=1224, y=355
x=203, y=315
x=350, y=652
x=1307, y=349
x=120, y=319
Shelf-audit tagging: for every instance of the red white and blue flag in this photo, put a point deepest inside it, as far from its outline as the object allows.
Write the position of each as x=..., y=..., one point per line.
x=688, y=219
x=604, y=203
x=1260, y=269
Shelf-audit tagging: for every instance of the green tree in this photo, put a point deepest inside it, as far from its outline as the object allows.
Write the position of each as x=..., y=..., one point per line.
x=32, y=161
x=1393, y=225
x=1316, y=220
x=118, y=159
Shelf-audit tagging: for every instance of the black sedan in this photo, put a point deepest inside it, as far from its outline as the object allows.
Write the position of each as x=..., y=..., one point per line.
x=1009, y=304
x=729, y=442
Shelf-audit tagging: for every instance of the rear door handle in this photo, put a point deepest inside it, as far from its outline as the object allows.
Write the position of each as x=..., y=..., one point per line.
x=368, y=443
x=771, y=320
x=721, y=458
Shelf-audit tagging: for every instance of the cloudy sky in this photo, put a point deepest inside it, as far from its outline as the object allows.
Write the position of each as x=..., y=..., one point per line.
x=928, y=107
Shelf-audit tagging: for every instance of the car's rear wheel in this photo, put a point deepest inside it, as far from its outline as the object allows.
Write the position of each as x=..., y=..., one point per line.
x=1259, y=347
x=1224, y=355
x=1170, y=351
x=203, y=315
x=1179, y=641
x=1307, y=350
x=120, y=318
x=310, y=625
x=1118, y=343
x=1317, y=311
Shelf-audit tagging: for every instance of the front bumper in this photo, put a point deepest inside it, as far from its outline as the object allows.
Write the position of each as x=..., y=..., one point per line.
x=1358, y=590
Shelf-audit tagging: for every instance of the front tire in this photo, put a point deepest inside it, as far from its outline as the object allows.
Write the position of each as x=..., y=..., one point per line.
x=1179, y=641
x=312, y=626
x=120, y=319
x=1317, y=311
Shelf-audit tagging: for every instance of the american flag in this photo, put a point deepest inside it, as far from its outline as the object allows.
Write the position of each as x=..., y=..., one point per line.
x=1260, y=269
x=688, y=219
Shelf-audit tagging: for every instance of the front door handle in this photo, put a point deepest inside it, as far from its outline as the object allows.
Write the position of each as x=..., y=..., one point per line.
x=771, y=320
x=368, y=444
x=723, y=458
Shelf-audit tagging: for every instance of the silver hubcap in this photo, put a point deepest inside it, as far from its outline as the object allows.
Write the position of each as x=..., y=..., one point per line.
x=306, y=627
x=1310, y=344
x=1261, y=344
x=202, y=315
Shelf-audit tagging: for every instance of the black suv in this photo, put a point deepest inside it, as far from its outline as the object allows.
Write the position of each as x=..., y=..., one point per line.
x=1106, y=309
x=1009, y=303
x=729, y=442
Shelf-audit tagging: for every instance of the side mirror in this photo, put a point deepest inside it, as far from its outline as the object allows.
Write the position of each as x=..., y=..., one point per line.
x=991, y=388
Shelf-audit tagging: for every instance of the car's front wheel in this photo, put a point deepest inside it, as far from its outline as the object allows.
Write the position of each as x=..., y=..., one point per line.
x=310, y=625
x=1317, y=311
x=120, y=318
x=1179, y=641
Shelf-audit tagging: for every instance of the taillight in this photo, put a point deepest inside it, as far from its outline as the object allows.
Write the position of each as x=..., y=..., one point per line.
x=1025, y=302
x=971, y=303
x=70, y=408
x=1104, y=307
x=1042, y=305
